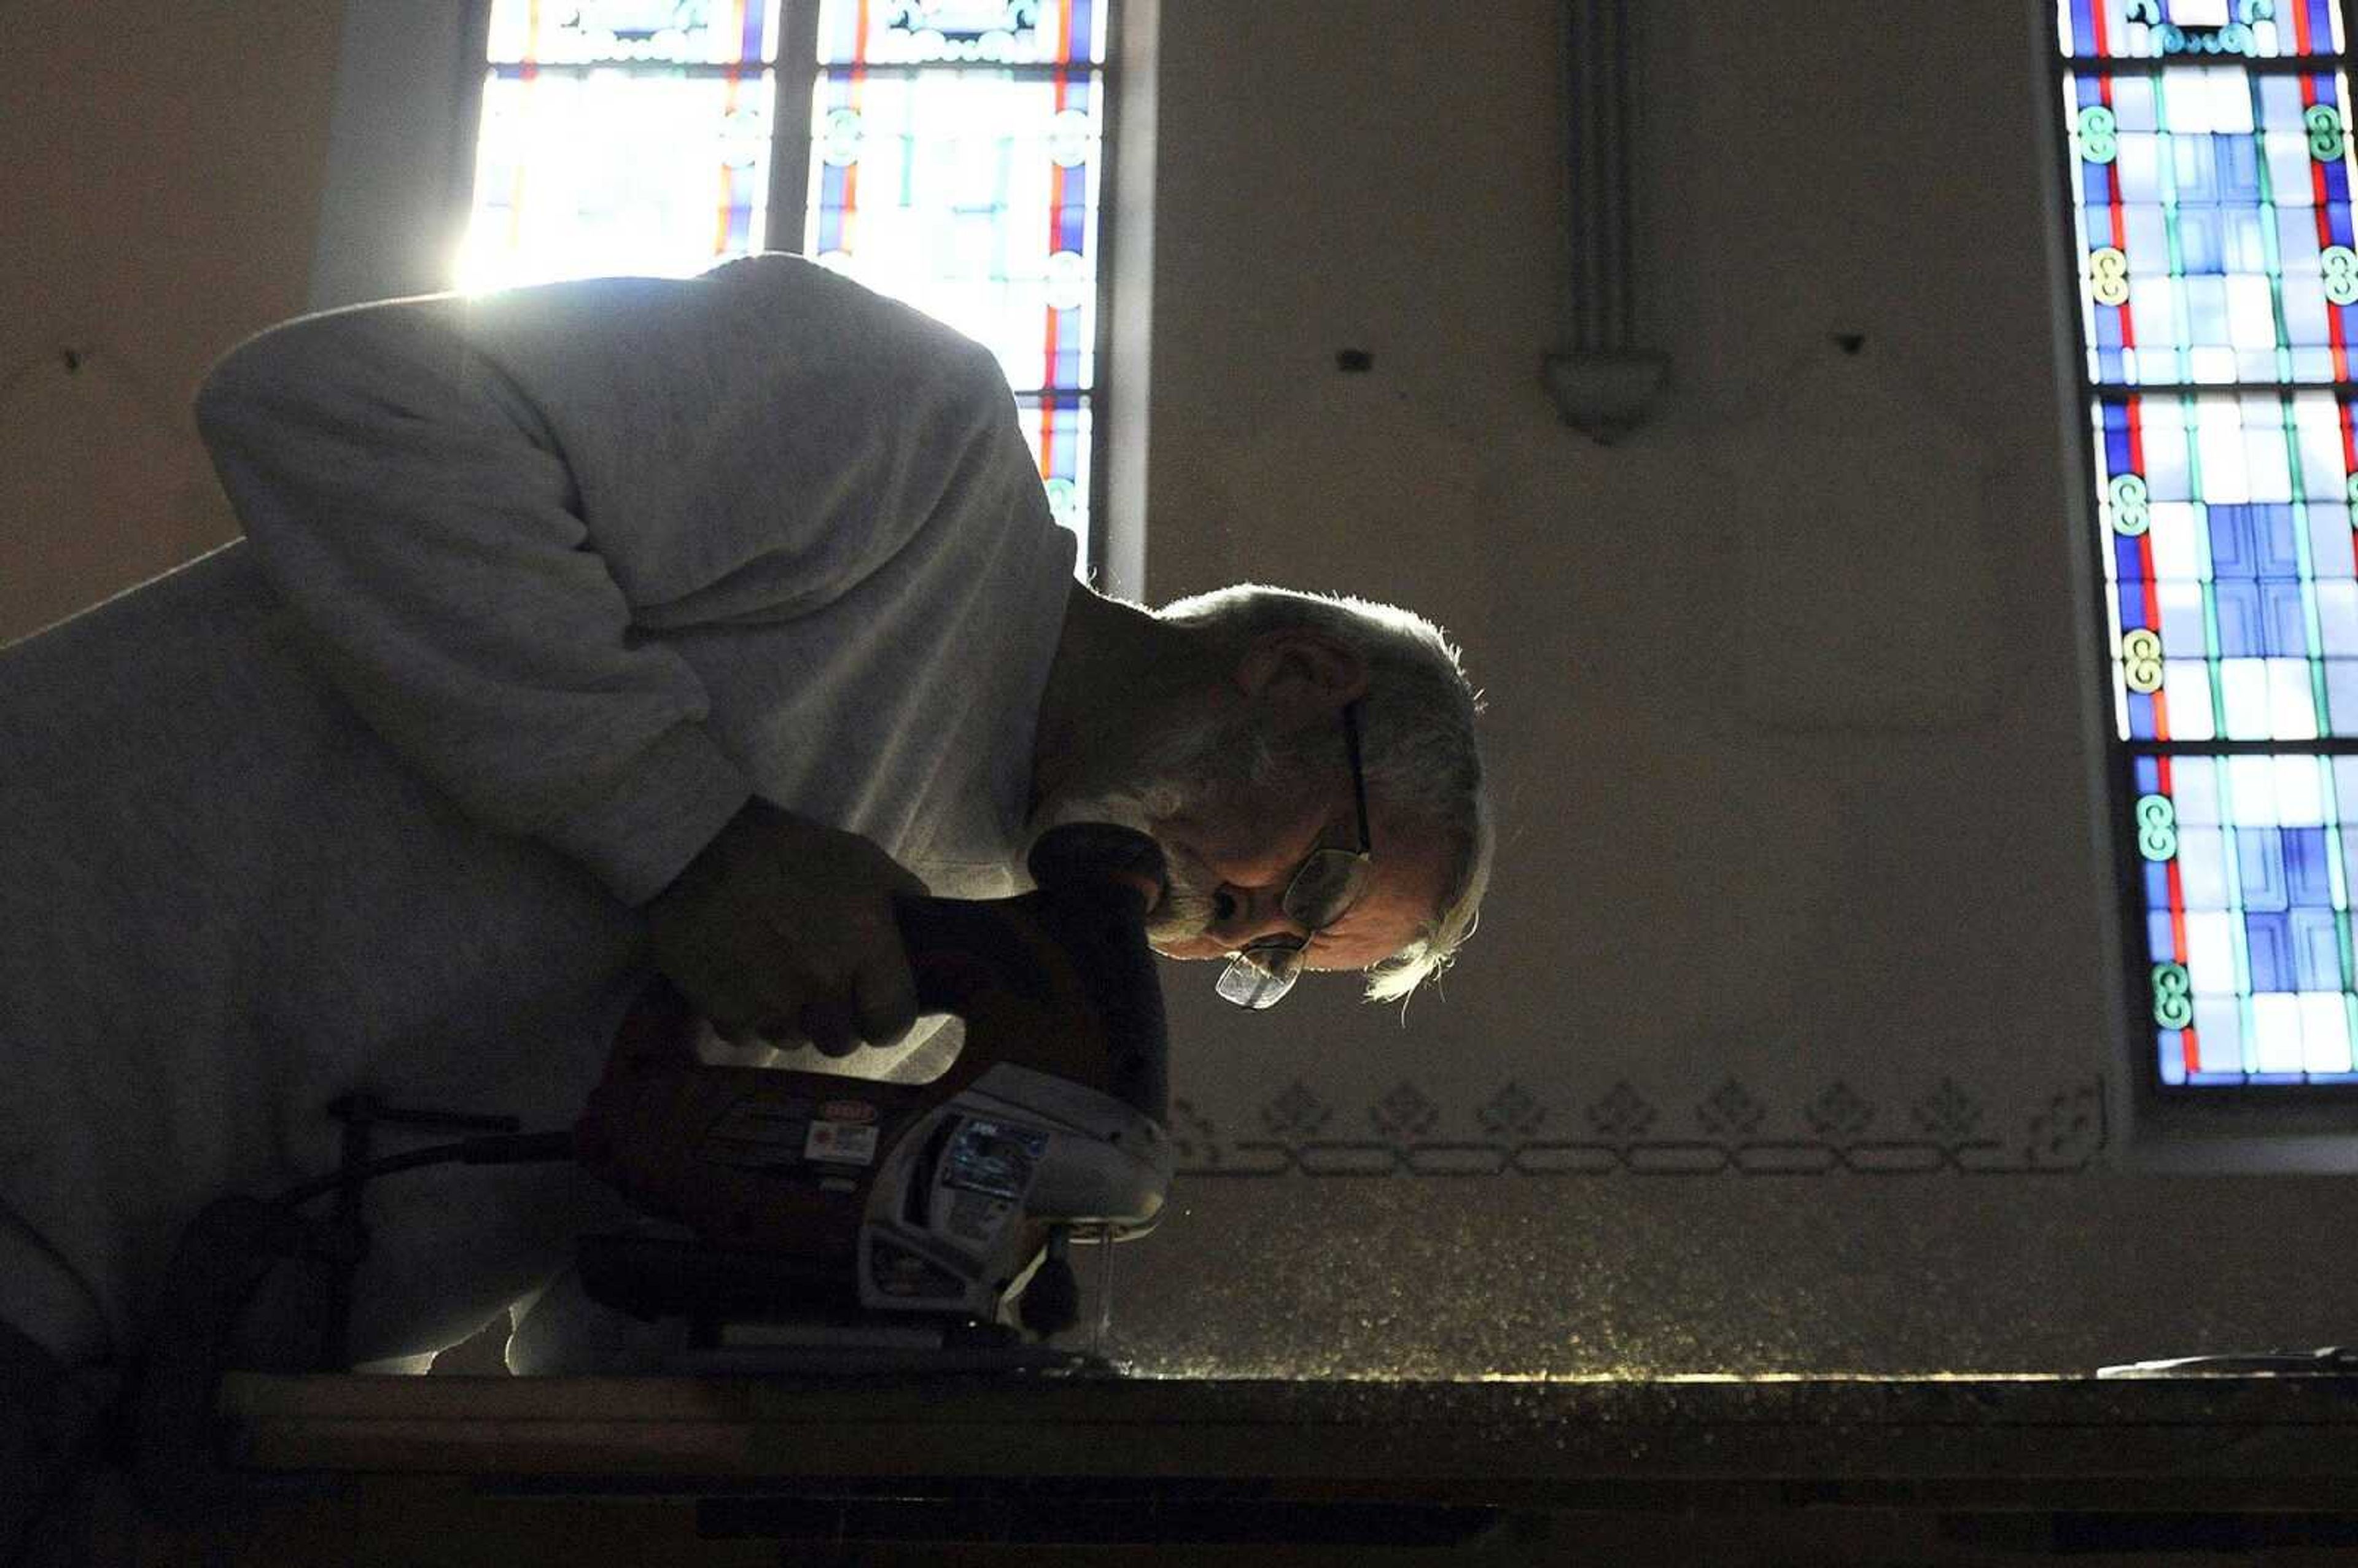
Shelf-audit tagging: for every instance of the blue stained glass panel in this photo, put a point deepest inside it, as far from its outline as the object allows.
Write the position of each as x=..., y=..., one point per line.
x=2212, y=225
x=2246, y=863
x=2227, y=548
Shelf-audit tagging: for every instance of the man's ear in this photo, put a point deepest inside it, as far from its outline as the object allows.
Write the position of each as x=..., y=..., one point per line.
x=1302, y=670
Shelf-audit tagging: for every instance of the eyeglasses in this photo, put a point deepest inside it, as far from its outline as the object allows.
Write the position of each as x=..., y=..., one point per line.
x=1321, y=891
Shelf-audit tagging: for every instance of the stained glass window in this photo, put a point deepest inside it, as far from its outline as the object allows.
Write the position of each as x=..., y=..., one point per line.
x=2210, y=163
x=622, y=136
x=954, y=154
x=956, y=159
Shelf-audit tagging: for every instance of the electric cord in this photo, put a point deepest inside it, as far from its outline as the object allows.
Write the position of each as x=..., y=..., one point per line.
x=507, y=1149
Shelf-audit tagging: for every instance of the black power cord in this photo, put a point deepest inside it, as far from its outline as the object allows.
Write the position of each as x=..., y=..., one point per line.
x=506, y=1149
x=172, y=1430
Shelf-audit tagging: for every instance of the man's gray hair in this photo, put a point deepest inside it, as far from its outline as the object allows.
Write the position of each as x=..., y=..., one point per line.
x=1418, y=749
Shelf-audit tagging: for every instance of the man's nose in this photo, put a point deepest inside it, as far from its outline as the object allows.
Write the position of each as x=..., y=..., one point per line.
x=1249, y=914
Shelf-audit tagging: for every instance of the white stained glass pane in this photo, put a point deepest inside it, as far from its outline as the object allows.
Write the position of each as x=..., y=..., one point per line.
x=2195, y=168
x=2177, y=535
x=2324, y=1033
x=2220, y=1022
x=2194, y=785
x=2276, y=1043
x=2137, y=165
x=2250, y=799
x=2292, y=701
x=2219, y=438
x=2186, y=686
x=2219, y=98
x=2307, y=326
x=2211, y=950
x=2329, y=541
x=2251, y=313
x=2301, y=786
x=2214, y=365
x=2337, y=615
x=2165, y=453
x=2342, y=696
x=2267, y=456
x=2133, y=103
x=2202, y=867
x=611, y=173
x=2206, y=313
x=2152, y=301
x=2317, y=423
x=2182, y=632
x=2288, y=163
x=2297, y=249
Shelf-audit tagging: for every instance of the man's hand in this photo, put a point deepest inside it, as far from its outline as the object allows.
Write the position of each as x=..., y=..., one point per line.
x=782, y=927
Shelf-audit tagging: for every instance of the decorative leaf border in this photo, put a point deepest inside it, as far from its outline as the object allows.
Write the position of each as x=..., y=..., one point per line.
x=1622, y=1131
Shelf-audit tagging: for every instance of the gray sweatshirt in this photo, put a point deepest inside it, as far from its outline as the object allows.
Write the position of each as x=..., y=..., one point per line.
x=538, y=588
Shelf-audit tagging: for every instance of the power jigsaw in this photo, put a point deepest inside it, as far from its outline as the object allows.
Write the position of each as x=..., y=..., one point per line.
x=841, y=1222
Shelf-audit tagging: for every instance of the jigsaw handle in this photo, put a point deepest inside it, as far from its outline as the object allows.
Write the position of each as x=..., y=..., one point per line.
x=1060, y=980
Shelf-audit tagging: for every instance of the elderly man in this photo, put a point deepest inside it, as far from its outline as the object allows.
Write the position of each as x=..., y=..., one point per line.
x=599, y=628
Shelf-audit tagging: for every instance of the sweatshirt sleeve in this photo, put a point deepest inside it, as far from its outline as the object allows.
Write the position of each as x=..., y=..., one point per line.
x=408, y=495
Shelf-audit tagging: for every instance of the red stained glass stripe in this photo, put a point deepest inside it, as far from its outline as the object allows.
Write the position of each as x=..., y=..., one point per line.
x=2318, y=205
x=2117, y=210
x=1056, y=231
x=2190, y=1043
x=721, y=219
x=1048, y=428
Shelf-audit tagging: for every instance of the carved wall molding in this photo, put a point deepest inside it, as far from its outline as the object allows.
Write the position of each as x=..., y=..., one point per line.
x=1727, y=1131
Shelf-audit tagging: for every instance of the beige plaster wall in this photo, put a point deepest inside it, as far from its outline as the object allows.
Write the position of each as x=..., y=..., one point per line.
x=160, y=192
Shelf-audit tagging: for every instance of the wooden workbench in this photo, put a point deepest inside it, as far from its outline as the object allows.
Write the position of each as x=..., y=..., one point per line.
x=726, y=1470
